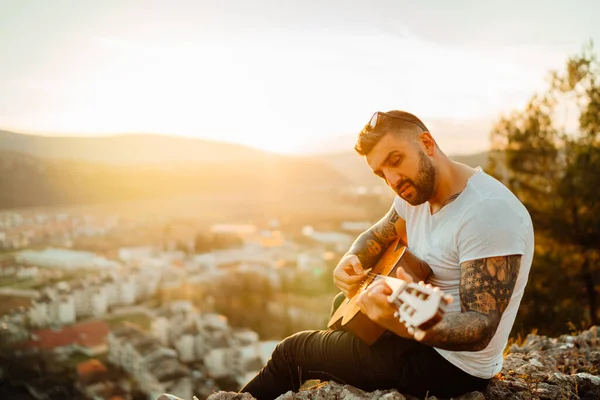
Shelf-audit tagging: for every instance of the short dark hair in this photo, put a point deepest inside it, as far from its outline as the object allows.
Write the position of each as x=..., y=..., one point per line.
x=395, y=121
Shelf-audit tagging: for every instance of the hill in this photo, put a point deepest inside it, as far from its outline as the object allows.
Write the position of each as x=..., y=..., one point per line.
x=30, y=181
x=129, y=149
x=51, y=171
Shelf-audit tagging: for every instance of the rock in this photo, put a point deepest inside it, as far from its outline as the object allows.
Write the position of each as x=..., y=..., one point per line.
x=541, y=368
x=230, y=396
x=392, y=395
x=471, y=396
x=352, y=393
x=588, y=386
x=289, y=395
x=536, y=363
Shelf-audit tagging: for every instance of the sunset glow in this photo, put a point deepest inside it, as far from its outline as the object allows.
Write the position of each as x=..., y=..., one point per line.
x=284, y=79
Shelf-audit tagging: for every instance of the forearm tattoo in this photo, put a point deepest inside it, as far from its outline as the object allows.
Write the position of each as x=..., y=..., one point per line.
x=486, y=286
x=370, y=245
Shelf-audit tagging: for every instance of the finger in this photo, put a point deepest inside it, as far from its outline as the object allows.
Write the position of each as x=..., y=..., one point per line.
x=342, y=276
x=353, y=278
x=386, y=289
x=448, y=298
x=344, y=286
x=402, y=274
x=356, y=265
x=381, y=287
x=350, y=270
x=419, y=335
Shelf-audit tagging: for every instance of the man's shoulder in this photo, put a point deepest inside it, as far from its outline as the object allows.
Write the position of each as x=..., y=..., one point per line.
x=487, y=192
x=492, y=205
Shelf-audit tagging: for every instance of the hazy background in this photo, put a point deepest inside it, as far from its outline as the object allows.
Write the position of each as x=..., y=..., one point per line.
x=161, y=134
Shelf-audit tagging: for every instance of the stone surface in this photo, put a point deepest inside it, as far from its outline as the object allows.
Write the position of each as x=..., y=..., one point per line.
x=542, y=368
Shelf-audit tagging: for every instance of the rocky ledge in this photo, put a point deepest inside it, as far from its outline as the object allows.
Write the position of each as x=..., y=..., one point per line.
x=540, y=368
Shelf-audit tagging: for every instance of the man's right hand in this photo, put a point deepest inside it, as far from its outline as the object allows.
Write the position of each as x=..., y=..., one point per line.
x=348, y=275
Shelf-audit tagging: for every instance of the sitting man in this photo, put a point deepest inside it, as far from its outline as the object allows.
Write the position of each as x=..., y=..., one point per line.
x=477, y=238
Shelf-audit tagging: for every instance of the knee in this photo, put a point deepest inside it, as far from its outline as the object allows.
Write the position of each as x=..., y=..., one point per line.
x=289, y=347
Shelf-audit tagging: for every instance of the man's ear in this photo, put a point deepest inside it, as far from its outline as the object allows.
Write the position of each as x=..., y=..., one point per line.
x=428, y=143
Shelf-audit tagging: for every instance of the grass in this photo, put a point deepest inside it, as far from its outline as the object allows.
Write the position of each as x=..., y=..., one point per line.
x=17, y=283
x=142, y=320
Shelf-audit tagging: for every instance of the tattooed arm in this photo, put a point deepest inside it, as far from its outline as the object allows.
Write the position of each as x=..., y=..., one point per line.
x=486, y=286
x=350, y=272
x=371, y=244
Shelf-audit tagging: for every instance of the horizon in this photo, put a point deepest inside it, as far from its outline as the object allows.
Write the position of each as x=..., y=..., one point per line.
x=242, y=74
x=333, y=152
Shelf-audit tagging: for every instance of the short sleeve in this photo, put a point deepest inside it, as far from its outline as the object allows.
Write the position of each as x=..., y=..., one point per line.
x=491, y=228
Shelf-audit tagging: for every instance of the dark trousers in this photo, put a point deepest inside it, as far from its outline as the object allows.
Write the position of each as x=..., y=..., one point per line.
x=390, y=363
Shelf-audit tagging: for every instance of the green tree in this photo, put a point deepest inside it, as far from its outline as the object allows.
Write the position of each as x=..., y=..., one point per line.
x=549, y=155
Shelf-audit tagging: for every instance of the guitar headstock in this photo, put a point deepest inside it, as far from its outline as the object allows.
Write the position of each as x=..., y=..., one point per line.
x=419, y=307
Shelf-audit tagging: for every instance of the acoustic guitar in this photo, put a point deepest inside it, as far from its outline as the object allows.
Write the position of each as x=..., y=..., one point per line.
x=418, y=307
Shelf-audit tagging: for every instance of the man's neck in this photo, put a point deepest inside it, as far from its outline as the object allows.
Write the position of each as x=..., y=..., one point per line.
x=452, y=178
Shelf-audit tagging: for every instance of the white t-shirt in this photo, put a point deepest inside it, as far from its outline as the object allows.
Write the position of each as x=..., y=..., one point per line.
x=485, y=220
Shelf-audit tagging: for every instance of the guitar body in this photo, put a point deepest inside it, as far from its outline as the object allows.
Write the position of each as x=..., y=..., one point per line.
x=348, y=315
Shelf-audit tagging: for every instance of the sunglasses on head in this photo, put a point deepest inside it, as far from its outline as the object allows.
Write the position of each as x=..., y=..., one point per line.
x=377, y=116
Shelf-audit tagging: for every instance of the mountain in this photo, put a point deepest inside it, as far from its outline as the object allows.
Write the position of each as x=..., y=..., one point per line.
x=129, y=149
x=28, y=181
x=51, y=171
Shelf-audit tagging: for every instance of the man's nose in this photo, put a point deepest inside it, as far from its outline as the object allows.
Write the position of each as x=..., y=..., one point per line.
x=392, y=178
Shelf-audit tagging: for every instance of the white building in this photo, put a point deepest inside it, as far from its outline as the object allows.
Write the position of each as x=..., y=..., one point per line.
x=54, y=307
x=147, y=282
x=27, y=273
x=64, y=259
x=155, y=368
x=126, y=290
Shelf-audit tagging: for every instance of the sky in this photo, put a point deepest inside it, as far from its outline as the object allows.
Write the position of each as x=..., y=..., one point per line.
x=285, y=76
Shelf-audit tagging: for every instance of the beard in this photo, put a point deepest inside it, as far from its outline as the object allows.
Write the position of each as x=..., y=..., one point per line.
x=423, y=185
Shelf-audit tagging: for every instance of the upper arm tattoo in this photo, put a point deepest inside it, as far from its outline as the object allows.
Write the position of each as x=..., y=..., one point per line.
x=385, y=230
x=370, y=245
x=487, y=284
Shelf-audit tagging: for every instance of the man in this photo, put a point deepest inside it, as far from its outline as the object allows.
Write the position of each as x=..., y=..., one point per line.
x=478, y=241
